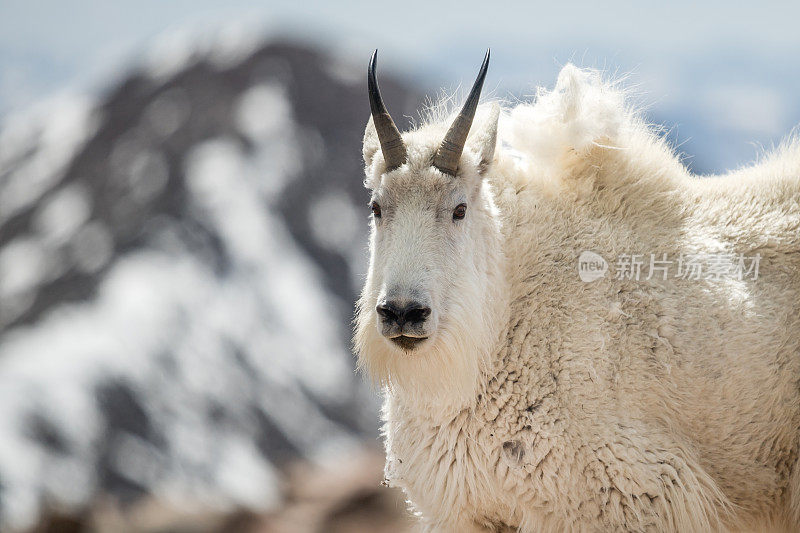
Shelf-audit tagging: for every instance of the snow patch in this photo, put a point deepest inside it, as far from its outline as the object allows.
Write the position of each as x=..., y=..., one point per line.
x=334, y=222
x=263, y=111
x=56, y=129
x=61, y=215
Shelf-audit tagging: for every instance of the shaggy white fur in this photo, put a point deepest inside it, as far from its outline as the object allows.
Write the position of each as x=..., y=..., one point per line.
x=544, y=403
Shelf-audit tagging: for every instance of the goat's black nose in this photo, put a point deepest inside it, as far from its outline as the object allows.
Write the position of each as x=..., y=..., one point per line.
x=413, y=313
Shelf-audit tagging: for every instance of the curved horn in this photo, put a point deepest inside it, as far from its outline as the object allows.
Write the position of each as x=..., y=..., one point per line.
x=394, y=151
x=449, y=153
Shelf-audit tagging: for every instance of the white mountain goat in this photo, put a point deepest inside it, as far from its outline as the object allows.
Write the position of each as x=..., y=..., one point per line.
x=519, y=397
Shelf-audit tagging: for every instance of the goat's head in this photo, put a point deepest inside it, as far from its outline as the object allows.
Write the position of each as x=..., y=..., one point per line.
x=432, y=215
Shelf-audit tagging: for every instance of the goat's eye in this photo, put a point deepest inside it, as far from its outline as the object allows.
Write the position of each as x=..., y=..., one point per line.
x=376, y=209
x=460, y=211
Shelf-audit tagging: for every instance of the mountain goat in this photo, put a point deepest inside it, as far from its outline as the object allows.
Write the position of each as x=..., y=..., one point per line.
x=521, y=395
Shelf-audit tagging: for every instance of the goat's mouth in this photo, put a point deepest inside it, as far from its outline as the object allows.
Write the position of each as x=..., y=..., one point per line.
x=408, y=343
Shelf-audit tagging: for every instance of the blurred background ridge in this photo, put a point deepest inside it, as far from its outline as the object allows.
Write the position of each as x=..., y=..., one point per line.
x=178, y=263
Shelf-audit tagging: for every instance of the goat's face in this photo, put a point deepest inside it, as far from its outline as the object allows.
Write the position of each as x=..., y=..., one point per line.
x=428, y=310
x=423, y=224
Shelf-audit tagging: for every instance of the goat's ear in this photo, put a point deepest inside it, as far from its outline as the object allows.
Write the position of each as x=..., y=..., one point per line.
x=485, y=138
x=371, y=143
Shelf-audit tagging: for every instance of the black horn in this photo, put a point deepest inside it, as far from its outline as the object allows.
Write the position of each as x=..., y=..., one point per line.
x=394, y=151
x=449, y=153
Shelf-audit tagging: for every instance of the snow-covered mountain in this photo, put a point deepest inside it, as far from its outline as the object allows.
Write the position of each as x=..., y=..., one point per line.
x=178, y=264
